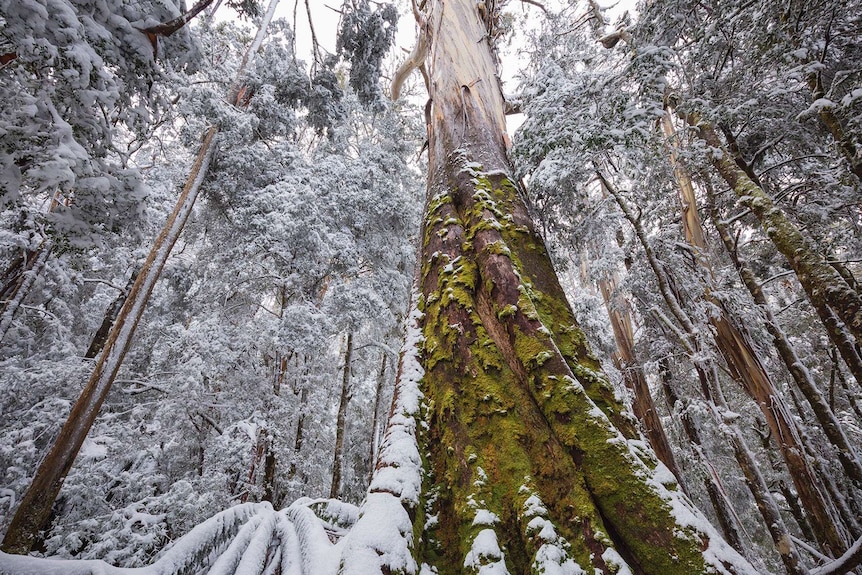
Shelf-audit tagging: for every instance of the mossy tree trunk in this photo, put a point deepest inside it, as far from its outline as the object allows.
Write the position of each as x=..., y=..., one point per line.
x=827, y=290
x=531, y=458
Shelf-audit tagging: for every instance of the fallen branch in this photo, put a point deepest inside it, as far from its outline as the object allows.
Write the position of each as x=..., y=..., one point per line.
x=844, y=564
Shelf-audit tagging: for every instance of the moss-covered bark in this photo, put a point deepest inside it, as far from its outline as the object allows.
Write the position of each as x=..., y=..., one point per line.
x=822, y=283
x=531, y=459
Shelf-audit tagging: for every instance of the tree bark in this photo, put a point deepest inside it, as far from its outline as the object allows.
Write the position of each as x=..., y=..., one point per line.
x=518, y=408
x=375, y=420
x=341, y=420
x=101, y=335
x=643, y=405
x=35, y=506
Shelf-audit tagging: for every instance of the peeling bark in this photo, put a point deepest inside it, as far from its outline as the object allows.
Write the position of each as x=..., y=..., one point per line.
x=517, y=405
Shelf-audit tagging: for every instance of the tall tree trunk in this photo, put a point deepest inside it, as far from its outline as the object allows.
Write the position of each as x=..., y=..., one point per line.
x=35, y=506
x=375, y=420
x=341, y=419
x=523, y=428
x=633, y=375
x=300, y=431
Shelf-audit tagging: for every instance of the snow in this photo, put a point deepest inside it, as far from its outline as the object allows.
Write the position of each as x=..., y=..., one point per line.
x=485, y=517
x=485, y=556
x=383, y=534
x=616, y=562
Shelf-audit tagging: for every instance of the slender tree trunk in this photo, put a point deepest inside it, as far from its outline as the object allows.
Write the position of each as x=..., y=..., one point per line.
x=258, y=452
x=269, y=473
x=341, y=420
x=300, y=430
x=375, y=420
x=708, y=377
x=724, y=509
x=523, y=427
x=822, y=283
x=35, y=506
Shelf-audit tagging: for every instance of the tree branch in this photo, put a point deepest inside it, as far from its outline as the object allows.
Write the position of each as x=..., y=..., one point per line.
x=844, y=564
x=168, y=28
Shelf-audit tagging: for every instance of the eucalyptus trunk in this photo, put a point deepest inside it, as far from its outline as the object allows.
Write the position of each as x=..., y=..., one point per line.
x=527, y=446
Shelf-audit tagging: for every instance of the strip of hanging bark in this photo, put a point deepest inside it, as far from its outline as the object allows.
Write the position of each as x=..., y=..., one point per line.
x=634, y=377
x=821, y=282
x=101, y=335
